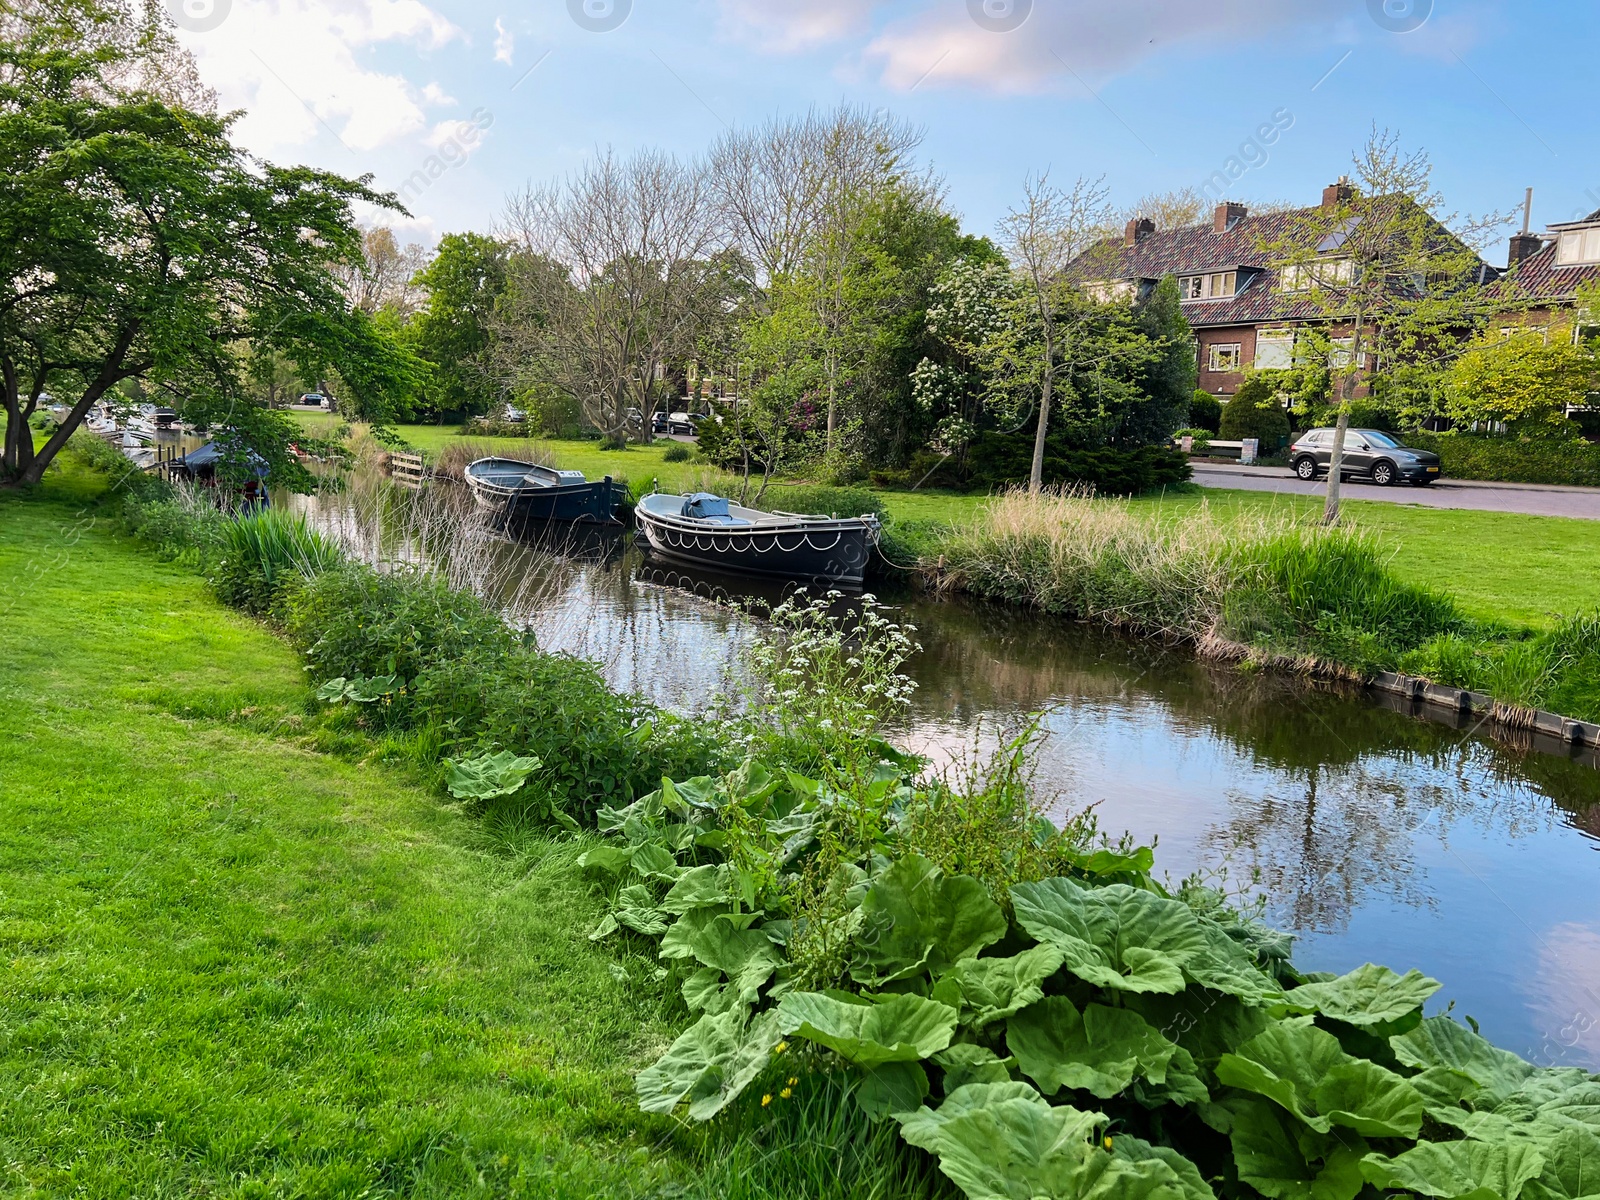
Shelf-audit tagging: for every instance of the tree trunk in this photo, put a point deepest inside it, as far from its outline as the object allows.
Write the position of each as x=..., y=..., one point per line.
x=1347, y=390
x=1036, y=474
x=110, y=372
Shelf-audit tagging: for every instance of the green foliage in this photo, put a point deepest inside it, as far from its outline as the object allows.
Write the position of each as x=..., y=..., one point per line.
x=1256, y=412
x=831, y=501
x=1526, y=380
x=1205, y=411
x=264, y=552
x=452, y=332
x=1554, y=460
x=170, y=251
x=676, y=453
x=488, y=776
x=1168, y=382
x=998, y=460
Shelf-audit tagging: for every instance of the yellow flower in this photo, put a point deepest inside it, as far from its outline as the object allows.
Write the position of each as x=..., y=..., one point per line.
x=781, y=1047
x=1108, y=1141
x=766, y=1100
x=786, y=1093
x=793, y=1080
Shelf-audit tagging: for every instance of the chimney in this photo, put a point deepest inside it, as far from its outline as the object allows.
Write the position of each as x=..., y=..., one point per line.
x=1524, y=244
x=1228, y=215
x=1339, y=193
x=1138, y=229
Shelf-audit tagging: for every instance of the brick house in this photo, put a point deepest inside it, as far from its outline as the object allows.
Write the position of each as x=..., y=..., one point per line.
x=1243, y=309
x=1546, y=271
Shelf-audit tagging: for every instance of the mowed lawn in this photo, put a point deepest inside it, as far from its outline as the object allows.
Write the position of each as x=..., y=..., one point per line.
x=1499, y=566
x=233, y=965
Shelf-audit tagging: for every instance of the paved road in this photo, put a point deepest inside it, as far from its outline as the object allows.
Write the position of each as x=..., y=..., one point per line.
x=1533, y=499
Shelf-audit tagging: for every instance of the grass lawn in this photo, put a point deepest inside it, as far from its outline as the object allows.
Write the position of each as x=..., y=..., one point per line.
x=233, y=965
x=1505, y=566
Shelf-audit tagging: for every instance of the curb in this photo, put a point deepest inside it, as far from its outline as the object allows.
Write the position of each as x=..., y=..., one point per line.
x=1465, y=703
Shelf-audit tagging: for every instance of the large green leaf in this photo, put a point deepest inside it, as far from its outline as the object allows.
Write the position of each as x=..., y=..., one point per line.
x=746, y=956
x=991, y=988
x=1370, y=997
x=965, y=1063
x=1137, y=1150
x=901, y=1029
x=488, y=776
x=1305, y=1070
x=892, y=1088
x=1207, y=1024
x=1132, y=940
x=915, y=918
x=1100, y=1050
x=1282, y=1158
x=710, y=1064
x=1442, y=1042
x=1571, y=1167
x=1457, y=1170
x=922, y=1127
x=1020, y=1149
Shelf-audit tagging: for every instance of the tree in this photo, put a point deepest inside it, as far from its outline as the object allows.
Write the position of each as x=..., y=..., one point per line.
x=1526, y=380
x=1383, y=260
x=386, y=276
x=1045, y=337
x=143, y=245
x=1168, y=380
x=453, y=330
x=615, y=273
x=1255, y=411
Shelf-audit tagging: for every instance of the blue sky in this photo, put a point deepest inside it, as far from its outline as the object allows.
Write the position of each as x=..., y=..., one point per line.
x=1153, y=94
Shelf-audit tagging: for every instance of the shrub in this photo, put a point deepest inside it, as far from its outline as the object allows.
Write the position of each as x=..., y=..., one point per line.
x=675, y=453
x=821, y=500
x=1205, y=412
x=1254, y=412
x=1109, y=470
x=1513, y=460
x=184, y=523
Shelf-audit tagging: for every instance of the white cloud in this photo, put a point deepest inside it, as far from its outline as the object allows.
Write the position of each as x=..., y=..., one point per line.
x=505, y=43
x=788, y=26
x=1094, y=40
x=292, y=66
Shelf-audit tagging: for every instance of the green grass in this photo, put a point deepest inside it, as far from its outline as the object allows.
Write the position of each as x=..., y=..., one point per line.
x=234, y=965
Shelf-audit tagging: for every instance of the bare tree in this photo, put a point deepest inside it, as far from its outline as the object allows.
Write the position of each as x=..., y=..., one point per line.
x=613, y=278
x=1175, y=209
x=384, y=279
x=1050, y=230
x=1383, y=260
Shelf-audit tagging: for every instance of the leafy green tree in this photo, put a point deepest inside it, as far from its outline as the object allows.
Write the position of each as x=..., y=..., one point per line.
x=1168, y=380
x=143, y=245
x=1526, y=380
x=1256, y=411
x=1205, y=411
x=453, y=330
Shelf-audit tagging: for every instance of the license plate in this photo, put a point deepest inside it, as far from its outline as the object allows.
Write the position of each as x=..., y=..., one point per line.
x=1433, y=470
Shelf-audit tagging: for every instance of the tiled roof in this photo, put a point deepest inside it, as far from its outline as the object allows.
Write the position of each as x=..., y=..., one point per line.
x=1199, y=250
x=1538, y=278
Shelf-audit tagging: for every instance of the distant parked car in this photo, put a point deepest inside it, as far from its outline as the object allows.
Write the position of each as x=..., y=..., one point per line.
x=1368, y=453
x=515, y=415
x=658, y=422
x=316, y=400
x=680, y=422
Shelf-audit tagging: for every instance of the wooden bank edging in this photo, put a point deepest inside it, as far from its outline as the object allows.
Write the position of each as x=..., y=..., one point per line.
x=1465, y=703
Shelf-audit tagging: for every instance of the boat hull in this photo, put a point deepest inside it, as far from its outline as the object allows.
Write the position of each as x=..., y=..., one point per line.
x=831, y=552
x=526, y=507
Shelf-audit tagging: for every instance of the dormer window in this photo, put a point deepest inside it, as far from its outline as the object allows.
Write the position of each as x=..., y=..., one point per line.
x=1217, y=286
x=1578, y=246
x=1327, y=272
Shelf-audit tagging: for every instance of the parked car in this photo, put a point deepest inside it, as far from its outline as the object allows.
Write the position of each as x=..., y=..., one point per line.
x=315, y=400
x=515, y=415
x=1368, y=453
x=658, y=422
x=679, y=422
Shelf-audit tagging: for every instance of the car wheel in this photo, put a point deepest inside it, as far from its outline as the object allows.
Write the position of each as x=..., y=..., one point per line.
x=1383, y=473
x=1306, y=468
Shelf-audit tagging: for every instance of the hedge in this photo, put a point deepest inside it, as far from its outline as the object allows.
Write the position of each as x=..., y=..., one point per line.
x=1512, y=460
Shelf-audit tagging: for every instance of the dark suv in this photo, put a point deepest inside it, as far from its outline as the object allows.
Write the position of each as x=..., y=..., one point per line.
x=1371, y=453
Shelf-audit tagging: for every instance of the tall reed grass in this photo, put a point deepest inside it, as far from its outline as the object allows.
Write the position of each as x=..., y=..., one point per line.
x=1254, y=583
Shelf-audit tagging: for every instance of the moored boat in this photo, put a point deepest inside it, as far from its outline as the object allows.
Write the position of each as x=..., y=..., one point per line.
x=709, y=531
x=525, y=492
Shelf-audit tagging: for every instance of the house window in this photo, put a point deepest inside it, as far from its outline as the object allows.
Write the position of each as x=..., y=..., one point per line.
x=1331, y=272
x=1274, y=350
x=1578, y=246
x=1218, y=285
x=1107, y=290
x=1339, y=354
x=1224, y=356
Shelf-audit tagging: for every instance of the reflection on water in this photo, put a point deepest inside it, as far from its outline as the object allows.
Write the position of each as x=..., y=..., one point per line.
x=1370, y=833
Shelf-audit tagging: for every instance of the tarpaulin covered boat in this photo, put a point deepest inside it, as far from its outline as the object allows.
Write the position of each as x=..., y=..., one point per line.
x=525, y=492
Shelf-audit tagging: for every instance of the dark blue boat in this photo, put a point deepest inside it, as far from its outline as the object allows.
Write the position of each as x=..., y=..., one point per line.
x=707, y=531
x=523, y=493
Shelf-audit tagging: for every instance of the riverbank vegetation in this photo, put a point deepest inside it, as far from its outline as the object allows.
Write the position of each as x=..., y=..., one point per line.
x=879, y=980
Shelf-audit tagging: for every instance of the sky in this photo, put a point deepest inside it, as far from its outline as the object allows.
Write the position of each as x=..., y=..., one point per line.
x=1262, y=100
